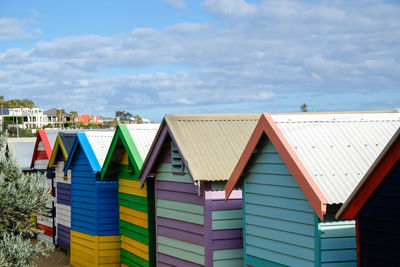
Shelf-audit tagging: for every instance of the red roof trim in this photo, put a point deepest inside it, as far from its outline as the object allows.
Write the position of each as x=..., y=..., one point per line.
x=267, y=125
x=41, y=136
x=389, y=157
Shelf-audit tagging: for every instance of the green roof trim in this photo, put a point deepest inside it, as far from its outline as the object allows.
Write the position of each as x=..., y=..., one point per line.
x=58, y=144
x=122, y=134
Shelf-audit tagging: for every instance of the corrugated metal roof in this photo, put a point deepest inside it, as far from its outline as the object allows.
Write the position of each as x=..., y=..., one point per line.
x=52, y=136
x=143, y=136
x=67, y=139
x=211, y=144
x=338, y=149
x=100, y=142
x=22, y=150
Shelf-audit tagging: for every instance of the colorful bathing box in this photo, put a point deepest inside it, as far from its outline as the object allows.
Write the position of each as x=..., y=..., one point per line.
x=375, y=206
x=296, y=172
x=124, y=160
x=94, y=205
x=61, y=150
x=41, y=155
x=188, y=165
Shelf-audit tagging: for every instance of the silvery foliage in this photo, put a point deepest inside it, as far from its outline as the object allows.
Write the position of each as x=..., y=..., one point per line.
x=21, y=198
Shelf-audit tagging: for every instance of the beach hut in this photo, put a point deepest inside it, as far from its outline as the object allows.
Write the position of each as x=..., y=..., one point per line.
x=59, y=155
x=189, y=163
x=94, y=205
x=45, y=140
x=375, y=206
x=21, y=149
x=296, y=171
x=124, y=160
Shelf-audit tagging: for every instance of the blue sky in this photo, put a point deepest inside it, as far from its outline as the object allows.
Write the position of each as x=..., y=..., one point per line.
x=213, y=56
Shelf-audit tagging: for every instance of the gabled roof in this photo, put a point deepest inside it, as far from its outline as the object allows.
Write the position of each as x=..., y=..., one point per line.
x=95, y=145
x=375, y=175
x=209, y=144
x=328, y=154
x=136, y=140
x=22, y=150
x=41, y=137
x=64, y=141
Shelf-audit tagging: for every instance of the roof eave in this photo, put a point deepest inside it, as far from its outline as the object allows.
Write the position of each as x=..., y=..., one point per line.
x=372, y=179
x=267, y=125
x=57, y=144
x=122, y=133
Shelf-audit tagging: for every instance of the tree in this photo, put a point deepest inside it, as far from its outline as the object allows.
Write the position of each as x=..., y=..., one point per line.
x=303, y=108
x=123, y=114
x=73, y=115
x=138, y=119
x=60, y=113
x=21, y=196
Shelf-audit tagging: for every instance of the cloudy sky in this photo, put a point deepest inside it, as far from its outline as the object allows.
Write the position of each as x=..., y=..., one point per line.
x=175, y=56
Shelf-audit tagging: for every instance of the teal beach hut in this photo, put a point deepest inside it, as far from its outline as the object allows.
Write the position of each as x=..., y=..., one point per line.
x=296, y=172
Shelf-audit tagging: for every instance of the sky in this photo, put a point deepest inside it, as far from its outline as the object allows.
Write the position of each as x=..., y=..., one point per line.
x=213, y=56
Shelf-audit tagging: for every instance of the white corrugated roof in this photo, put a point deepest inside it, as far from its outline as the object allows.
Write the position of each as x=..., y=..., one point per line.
x=338, y=149
x=100, y=142
x=52, y=136
x=22, y=150
x=143, y=136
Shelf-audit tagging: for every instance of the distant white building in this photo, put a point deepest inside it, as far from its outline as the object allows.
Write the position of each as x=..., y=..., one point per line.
x=30, y=117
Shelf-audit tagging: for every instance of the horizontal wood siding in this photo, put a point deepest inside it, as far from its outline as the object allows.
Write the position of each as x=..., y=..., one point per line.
x=88, y=250
x=64, y=193
x=107, y=208
x=228, y=257
x=83, y=195
x=180, y=219
x=227, y=232
x=47, y=222
x=134, y=218
x=338, y=243
x=379, y=221
x=63, y=236
x=63, y=215
x=94, y=205
x=279, y=221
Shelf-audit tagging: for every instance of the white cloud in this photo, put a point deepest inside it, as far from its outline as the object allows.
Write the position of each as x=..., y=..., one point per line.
x=230, y=8
x=180, y=4
x=269, y=52
x=15, y=29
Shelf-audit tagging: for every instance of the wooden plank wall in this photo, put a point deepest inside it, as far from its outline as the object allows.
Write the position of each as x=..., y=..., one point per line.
x=279, y=221
x=180, y=217
x=338, y=243
x=134, y=218
x=83, y=195
x=226, y=226
x=63, y=206
x=88, y=250
x=379, y=221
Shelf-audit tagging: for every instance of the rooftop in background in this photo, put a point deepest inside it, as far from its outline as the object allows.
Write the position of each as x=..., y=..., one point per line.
x=86, y=118
x=22, y=150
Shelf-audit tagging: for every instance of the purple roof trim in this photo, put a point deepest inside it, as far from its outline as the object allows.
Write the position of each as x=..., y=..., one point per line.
x=155, y=151
x=153, y=154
